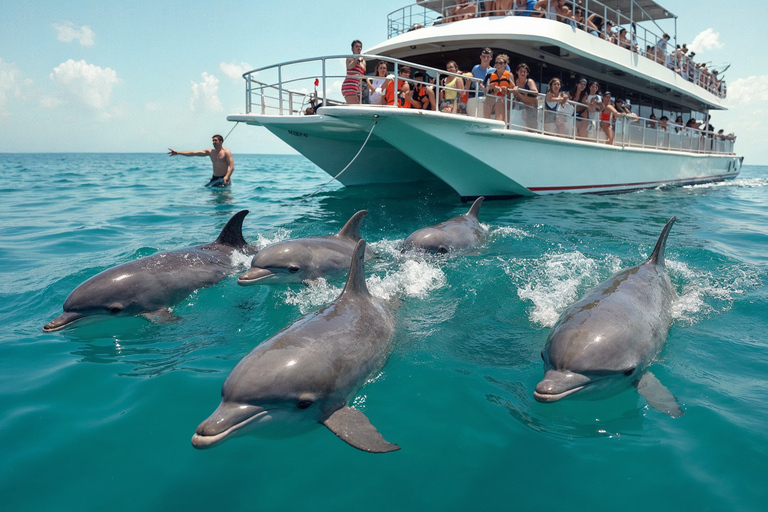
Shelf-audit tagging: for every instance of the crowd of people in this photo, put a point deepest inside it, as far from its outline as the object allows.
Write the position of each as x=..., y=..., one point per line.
x=493, y=90
x=679, y=60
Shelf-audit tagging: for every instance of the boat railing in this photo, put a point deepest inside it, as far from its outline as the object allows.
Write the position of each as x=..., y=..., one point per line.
x=628, y=130
x=299, y=87
x=639, y=38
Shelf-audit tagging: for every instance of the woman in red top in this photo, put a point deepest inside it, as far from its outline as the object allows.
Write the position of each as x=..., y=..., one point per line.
x=350, y=88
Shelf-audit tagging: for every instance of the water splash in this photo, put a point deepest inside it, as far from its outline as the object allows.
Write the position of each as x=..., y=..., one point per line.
x=556, y=280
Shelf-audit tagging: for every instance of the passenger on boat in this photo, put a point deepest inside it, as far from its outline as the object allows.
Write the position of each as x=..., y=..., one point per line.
x=624, y=41
x=524, y=7
x=500, y=7
x=663, y=123
x=423, y=96
x=378, y=84
x=525, y=95
x=481, y=72
x=608, y=117
x=661, y=48
x=651, y=121
x=464, y=10
x=595, y=24
x=453, y=86
x=678, y=124
x=404, y=94
x=609, y=35
x=579, y=95
x=499, y=82
x=350, y=88
x=555, y=10
x=578, y=17
x=554, y=121
x=594, y=106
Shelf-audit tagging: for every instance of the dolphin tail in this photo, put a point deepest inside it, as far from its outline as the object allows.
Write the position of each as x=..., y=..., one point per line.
x=351, y=229
x=356, y=279
x=657, y=257
x=658, y=396
x=354, y=428
x=232, y=234
x=474, y=210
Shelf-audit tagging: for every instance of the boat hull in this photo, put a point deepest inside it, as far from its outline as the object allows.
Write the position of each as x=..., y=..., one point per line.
x=332, y=144
x=480, y=157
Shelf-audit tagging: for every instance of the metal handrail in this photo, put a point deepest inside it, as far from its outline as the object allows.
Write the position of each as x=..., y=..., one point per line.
x=286, y=98
x=406, y=19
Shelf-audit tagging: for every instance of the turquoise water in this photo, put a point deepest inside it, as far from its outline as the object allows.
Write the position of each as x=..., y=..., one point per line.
x=100, y=416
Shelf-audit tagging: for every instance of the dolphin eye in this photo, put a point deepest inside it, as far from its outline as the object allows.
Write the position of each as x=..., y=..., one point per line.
x=115, y=309
x=304, y=404
x=293, y=269
x=629, y=371
x=442, y=250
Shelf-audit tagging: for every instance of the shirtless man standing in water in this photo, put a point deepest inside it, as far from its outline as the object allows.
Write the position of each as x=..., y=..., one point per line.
x=221, y=158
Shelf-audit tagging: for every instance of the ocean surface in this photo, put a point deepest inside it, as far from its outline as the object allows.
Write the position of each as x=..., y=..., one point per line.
x=99, y=416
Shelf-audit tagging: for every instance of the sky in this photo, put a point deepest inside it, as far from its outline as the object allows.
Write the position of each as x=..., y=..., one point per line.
x=140, y=76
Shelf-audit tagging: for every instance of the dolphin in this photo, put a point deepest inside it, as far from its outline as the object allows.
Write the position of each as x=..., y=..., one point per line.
x=307, y=373
x=304, y=260
x=149, y=286
x=462, y=233
x=606, y=341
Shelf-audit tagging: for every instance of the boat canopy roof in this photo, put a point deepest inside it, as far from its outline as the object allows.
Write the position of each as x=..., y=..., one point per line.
x=643, y=10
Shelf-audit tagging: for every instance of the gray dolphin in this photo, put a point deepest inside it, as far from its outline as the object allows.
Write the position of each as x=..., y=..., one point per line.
x=149, y=286
x=606, y=341
x=306, y=259
x=462, y=233
x=307, y=373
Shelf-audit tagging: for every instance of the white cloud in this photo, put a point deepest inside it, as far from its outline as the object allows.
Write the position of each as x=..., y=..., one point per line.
x=67, y=32
x=84, y=84
x=205, y=95
x=9, y=84
x=749, y=91
x=706, y=40
x=235, y=71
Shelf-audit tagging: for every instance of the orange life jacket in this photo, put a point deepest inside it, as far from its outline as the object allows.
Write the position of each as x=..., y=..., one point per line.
x=504, y=81
x=389, y=96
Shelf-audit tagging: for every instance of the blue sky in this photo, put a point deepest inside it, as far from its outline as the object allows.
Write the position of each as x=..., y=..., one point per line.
x=139, y=76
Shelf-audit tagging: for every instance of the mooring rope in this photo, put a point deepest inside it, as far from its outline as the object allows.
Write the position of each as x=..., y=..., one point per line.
x=345, y=168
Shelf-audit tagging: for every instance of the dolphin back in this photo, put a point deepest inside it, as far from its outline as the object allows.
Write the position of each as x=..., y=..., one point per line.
x=232, y=234
x=657, y=256
x=356, y=279
x=351, y=229
x=474, y=210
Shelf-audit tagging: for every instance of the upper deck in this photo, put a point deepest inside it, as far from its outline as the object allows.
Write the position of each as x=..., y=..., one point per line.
x=427, y=31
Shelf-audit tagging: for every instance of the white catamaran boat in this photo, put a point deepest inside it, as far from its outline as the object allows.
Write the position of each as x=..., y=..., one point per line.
x=531, y=149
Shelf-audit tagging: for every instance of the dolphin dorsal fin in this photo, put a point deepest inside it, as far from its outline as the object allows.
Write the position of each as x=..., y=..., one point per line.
x=232, y=234
x=474, y=210
x=351, y=229
x=657, y=256
x=356, y=279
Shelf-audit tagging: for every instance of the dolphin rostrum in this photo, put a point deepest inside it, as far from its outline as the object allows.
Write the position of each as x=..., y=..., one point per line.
x=606, y=341
x=149, y=286
x=462, y=233
x=307, y=373
x=304, y=260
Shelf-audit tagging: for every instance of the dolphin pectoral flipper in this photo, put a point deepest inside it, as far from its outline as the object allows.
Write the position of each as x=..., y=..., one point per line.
x=354, y=428
x=161, y=316
x=658, y=396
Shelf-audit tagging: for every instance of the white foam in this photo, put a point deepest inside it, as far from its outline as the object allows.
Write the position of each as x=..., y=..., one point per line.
x=278, y=236
x=410, y=278
x=556, y=280
x=704, y=293
x=506, y=232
